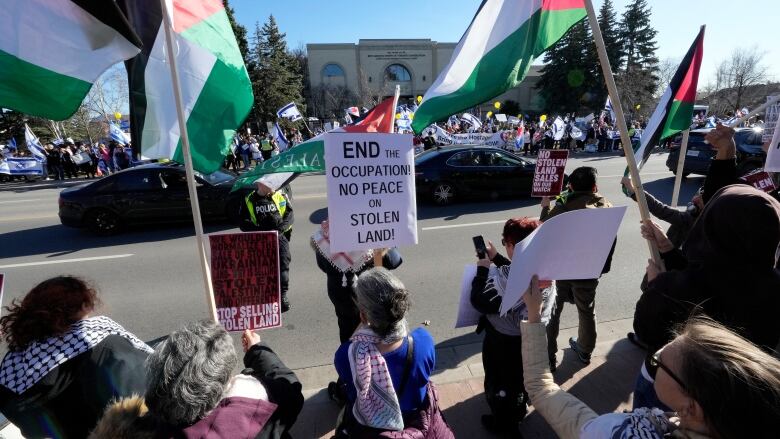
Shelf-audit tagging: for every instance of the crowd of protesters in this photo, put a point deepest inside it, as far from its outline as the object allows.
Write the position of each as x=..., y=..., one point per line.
x=706, y=322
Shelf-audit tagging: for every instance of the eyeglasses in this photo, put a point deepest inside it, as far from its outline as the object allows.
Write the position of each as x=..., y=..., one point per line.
x=655, y=362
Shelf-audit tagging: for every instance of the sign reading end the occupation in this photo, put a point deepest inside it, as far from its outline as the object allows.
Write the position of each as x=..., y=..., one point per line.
x=548, y=176
x=371, y=191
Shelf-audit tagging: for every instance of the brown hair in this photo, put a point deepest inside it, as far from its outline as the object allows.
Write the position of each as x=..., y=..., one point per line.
x=47, y=310
x=736, y=383
x=517, y=229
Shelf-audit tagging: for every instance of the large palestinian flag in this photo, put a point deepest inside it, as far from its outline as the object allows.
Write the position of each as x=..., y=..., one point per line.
x=52, y=51
x=674, y=112
x=214, y=82
x=495, y=53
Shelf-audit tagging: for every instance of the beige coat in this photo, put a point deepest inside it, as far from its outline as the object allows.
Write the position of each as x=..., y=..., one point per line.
x=566, y=414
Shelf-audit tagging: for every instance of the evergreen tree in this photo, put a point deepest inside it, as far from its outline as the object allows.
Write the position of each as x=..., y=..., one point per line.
x=639, y=78
x=568, y=76
x=240, y=33
x=277, y=79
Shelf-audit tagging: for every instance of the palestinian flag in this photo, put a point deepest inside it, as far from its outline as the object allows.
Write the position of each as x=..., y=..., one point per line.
x=674, y=112
x=495, y=53
x=214, y=82
x=309, y=156
x=52, y=51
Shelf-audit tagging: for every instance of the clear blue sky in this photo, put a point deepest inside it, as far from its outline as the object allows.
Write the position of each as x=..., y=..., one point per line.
x=730, y=25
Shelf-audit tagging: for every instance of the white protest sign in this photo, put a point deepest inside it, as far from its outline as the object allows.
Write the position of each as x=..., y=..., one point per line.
x=772, y=163
x=467, y=314
x=770, y=120
x=572, y=245
x=371, y=190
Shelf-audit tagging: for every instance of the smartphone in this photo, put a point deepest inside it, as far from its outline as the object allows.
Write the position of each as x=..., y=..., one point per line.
x=479, y=246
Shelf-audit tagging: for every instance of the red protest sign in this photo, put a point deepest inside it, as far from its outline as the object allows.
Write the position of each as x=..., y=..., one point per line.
x=548, y=176
x=759, y=180
x=245, y=277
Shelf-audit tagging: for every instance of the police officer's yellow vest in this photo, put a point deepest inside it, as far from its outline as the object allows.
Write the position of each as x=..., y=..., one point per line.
x=279, y=201
x=265, y=145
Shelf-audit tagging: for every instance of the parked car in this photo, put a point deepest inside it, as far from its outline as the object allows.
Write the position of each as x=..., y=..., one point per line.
x=445, y=174
x=750, y=155
x=150, y=193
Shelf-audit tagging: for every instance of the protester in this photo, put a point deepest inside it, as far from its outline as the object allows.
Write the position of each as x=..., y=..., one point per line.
x=680, y=221
x=63, y=366
x=582, y=193
x=383, y=352
x=266, y=209
x=342, y=270
x=190, y=392
x=501, y=347
x=121, y=159
x=737, y=235
x=718, y=385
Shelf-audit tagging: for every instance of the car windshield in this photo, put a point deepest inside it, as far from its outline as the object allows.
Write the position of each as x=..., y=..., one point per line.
x=215, y=177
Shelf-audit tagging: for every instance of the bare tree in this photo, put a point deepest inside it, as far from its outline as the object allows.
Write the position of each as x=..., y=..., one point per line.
x=666, y=70
x=736, y=75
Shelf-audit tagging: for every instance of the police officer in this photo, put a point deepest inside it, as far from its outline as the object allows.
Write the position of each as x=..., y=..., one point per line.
x=264, y=210
x=267, y=147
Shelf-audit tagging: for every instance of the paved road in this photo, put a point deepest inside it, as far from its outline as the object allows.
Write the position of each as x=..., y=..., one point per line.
x=149, y=279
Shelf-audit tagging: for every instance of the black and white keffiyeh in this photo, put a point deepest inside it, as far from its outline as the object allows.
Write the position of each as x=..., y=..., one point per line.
x=21, y=370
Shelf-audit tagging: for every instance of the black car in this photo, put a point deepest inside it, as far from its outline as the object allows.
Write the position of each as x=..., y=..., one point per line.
x=152, y=193
x=454, y=172
x=750, y=155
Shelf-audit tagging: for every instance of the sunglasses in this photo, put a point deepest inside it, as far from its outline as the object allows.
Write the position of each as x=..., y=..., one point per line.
x=655, y=363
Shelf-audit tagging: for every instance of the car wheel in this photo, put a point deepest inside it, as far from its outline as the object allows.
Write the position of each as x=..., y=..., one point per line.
x=103, y=222
x=443, y=193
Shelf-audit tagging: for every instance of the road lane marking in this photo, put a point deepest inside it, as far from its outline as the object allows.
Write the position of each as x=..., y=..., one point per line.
x=10, y=219
x=26, y=200
x=66, y=261
x=452, y=226
x=308, y=197
x=641, y=174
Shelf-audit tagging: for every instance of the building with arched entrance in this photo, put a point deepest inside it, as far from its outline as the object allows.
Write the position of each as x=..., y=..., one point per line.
x=374, y=67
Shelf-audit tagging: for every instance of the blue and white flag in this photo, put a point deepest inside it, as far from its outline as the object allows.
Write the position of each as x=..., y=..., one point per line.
x=12, y=144
x=117, y=135
x=471, y=120
x=21, y=166
x=34, y=144
x=608, y=107
x=289, y=112
x=712, y=122
x=281, y=141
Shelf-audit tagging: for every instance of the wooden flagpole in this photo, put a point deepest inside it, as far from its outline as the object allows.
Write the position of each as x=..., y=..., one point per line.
x=185, y=146
x=606, y=68
x=680, y=167
x=379, y=252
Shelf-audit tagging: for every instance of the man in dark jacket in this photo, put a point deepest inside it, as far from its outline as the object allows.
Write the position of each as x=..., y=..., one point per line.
x=582, y=194
x=265, y=210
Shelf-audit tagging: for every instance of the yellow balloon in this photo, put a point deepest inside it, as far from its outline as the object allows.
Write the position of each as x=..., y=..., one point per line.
x=638, y=106
x=419, y=99
x=543, y=117
x=490, y=114
x=411, y=115
x=397, y=115
x=118, y=115
x=497, y=105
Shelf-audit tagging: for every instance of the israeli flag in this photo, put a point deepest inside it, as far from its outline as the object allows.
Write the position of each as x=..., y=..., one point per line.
x=608, y=107
x=289, y=112
x=34, y=144
x=12, y=144
x=471, y=120
x=117, y=135
x=281, y=141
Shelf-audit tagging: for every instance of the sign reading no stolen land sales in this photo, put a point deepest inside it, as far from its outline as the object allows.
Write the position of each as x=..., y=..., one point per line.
x=371, y=191
x=245, y=277
x=548, y=176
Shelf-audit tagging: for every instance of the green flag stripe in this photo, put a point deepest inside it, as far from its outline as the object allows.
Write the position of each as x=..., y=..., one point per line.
x=678, y=119
x=223, y=104
x=306, y=157
x=36, y=90
x=495, y=73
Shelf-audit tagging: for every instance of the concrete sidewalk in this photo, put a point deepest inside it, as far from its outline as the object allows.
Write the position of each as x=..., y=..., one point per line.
x=605, y=385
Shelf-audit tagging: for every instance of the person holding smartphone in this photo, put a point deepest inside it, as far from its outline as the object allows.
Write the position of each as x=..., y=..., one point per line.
x=501, y=347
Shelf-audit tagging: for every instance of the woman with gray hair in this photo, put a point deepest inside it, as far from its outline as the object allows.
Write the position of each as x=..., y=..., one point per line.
x=386, y=368
x=190, y=392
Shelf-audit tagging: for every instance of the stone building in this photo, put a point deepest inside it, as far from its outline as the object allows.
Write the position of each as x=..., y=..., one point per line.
x=375, y=67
